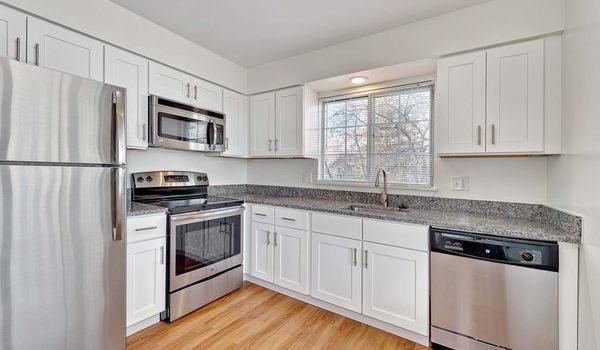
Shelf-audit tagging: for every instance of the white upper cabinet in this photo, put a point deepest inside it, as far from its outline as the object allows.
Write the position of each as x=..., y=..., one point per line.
x=169, y=83
x=127, y=70
x=396, y=285
x=262, y=125
x=515, y=98
x=288, y=122
x=13, y=34
x=206, y=95
x=284, y=123
x=235, y=108
x=461, y=103
x=504, y=100
x=58, y=48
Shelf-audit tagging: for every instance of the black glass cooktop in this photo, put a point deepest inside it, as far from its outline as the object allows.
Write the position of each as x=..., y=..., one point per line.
x=178, y=206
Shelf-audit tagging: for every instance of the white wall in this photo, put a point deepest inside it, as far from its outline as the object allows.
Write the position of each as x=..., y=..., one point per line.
x=486, y=24
x=500, y=179
x=573, y=177
x=111, y=23
x=221, y=171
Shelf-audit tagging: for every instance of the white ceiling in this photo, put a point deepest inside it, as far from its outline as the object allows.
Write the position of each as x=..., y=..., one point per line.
x=253, y=32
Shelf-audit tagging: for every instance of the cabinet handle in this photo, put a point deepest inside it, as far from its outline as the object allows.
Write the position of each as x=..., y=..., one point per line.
x=227, y=143
x=188, y=90
x=288, y=219
x=276, y=144
x=268, y=238
x=274, y=239
x=162, y=255
x=270, y=144
x=145, y=132
x=37, y=54
x=18, y=49
x=146, y=228
x=493, y=134
x=355, y=260
x=366, y=258
x=260, y=214
x=195, y=92
x=479, y=135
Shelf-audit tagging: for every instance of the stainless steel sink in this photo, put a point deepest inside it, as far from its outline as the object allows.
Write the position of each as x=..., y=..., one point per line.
x=375, y=209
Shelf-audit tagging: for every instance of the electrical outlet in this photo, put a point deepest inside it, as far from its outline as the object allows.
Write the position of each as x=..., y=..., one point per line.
x=307, y=177
x=460, y=183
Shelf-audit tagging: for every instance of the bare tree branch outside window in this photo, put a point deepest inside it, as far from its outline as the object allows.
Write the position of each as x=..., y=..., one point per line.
x=389, y=129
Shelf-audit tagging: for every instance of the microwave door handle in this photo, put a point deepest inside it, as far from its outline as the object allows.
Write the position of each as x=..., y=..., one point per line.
x=212, y=134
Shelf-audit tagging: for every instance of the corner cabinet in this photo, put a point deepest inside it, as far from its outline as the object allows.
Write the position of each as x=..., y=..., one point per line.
x=501, y=101
x=13, y=34
x=130, y=71
x=55, y=47
x=235, y=108
x=284, y=123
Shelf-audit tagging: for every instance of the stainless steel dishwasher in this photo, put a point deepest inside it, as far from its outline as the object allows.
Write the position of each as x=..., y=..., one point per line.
x=490, y=292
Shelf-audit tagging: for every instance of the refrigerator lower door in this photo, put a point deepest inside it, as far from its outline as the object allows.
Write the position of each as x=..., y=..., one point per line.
x=62, y=273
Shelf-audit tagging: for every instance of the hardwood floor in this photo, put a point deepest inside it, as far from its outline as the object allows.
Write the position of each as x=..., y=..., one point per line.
x=257, y=318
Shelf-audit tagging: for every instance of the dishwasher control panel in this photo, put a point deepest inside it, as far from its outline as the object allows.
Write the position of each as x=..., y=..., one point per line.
x=536, y=254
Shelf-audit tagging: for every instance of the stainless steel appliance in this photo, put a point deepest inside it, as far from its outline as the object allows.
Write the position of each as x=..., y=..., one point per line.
x=179, y=126
x=205, y=238
x=493, y=293
x=62, y=194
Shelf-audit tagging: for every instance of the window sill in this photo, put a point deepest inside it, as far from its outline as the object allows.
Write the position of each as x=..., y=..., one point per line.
x=422, y=188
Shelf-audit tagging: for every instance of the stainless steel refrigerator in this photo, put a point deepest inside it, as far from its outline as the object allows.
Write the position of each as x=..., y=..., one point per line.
x=62, y=215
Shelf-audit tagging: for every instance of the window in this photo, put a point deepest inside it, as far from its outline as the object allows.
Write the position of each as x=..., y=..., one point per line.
x=387, y=129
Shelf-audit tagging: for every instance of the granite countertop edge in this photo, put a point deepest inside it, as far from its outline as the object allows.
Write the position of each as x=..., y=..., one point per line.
x=140, y=209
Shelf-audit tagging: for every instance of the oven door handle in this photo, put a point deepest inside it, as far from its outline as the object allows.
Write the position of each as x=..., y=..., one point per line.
x=207, y=215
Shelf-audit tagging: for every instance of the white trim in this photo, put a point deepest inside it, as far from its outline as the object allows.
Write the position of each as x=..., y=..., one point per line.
x=568, y=300
x=424, y=188
x=361, y=90
x=401, y=332
x=136, y=327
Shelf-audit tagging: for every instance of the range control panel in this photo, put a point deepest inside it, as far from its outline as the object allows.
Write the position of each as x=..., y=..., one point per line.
x=169, y=179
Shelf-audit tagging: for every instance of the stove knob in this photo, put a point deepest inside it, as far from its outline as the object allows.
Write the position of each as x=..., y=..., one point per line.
x=527, y=256
x=205, y=178
x=140, y=179
x=199, y=178
x=149, y=179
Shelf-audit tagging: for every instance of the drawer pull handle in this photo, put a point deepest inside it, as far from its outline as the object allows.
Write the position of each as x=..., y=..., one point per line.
x=146, y=228
x=288, y=219
x=260, y=214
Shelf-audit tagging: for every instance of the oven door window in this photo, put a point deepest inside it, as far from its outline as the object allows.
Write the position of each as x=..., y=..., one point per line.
x=182, y=129
x=205, y=243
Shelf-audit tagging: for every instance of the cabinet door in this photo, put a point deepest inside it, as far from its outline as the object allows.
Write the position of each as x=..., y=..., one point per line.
x=169, y=83
x=58, y=48
x=235, y=108
x=262, y=125
x=146, y=279
x=13, y=29
x=396, y=286
x=336, y=271
x=125, y=69
x=206, y=95
x=291, y=259
x=460, y=114
x=515, y=97
x=288, y=122
x=262, y=251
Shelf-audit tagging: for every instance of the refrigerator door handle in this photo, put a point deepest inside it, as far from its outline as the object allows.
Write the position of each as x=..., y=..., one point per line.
x=119, y=142
x=119, y=201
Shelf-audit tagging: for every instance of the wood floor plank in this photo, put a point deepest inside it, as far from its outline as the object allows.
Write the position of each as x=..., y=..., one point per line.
x=254, y=317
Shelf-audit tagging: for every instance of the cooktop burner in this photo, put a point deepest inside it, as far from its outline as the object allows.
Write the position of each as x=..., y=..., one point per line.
x=178, y=206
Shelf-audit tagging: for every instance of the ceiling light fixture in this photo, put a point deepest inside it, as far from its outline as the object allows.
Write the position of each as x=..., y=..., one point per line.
x=358, y=80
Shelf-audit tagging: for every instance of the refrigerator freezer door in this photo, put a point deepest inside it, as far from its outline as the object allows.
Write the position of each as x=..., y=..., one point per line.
x=62, y=273
x=49, y=116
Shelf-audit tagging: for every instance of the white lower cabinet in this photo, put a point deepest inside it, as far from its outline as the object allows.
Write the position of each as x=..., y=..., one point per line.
x=336, y=270
x=262, y=251
x=146, y=278
x=395, y=285
x=291, y=259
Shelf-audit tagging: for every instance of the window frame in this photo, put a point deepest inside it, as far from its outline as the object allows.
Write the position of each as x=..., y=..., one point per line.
x=370, y=94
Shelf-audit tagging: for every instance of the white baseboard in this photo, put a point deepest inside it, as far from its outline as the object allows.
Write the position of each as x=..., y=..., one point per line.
x=136, y=327
x=401, y=332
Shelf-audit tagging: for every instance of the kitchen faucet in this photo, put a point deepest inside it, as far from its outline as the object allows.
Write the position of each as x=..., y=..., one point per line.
x=384, y=196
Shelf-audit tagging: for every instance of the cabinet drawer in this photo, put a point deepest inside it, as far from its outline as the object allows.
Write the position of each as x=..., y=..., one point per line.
x=263, y=214
x=141, y=228
x=397, y=234
x=291, y=218
x=337, y=225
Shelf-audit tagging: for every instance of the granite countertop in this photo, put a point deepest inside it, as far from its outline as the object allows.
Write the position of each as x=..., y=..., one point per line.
x=456, y=220
x=137, y=209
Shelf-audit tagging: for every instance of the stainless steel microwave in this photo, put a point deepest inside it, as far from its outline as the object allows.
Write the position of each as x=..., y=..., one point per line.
x=177, y=125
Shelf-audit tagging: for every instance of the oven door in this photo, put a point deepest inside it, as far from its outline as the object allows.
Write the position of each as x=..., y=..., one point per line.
x=204, y=244
x=180, y=129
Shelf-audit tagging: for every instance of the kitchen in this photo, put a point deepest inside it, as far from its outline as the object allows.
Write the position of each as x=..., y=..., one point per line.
x=417, y=176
